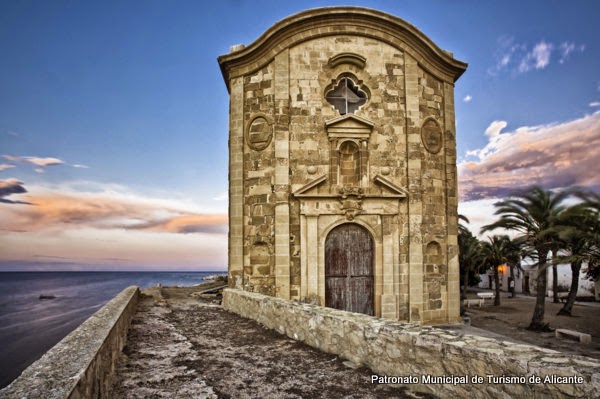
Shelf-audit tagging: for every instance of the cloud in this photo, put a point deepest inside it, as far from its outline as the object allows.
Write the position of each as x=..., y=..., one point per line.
x=37, y=161
x=211, y=224
x=468, y=98
x=5, y=166
x=538, y=58
x=494, y=129
x=86, y=225
x=519, y=58
x=554, y=156
x=221, y=197
x=63, y=209
x=9, y=187
x=566, y=48
x=595, y=104
x=505, y=54
x=480, y=212
x=40, y=163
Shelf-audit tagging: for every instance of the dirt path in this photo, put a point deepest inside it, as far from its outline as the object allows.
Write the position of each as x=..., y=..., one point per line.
x=185, y=347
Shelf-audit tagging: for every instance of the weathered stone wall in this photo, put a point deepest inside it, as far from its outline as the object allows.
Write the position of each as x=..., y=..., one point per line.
x=259, y=167
x=295, y=159
x=82, y=364
x=312, y=154
x=399, y=349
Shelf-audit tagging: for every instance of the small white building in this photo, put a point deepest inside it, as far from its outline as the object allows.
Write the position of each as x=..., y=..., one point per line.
x=526, y=280
x=487, y=280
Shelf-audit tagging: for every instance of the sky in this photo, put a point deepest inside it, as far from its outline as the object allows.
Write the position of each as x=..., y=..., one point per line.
x=114, y=118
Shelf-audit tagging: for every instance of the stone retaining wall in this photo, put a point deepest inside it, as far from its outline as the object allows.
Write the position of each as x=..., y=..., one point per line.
x=443, y=356
x=83, y=363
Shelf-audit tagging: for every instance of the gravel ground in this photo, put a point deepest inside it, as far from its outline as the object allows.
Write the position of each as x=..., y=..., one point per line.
x=182, y=346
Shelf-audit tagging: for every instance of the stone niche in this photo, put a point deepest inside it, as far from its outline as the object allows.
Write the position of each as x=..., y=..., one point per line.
x=342, y=165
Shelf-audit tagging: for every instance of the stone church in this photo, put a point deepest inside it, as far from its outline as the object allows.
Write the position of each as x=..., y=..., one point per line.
x=342, y=165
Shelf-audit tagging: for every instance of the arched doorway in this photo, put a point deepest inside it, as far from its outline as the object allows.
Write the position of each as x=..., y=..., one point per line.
x=349, y=281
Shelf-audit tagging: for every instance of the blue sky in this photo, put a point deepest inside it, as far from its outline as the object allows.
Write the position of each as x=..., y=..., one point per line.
x=113, y=118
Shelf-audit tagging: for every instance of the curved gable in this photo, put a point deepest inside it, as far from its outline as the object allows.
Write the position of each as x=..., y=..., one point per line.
x=338, y=21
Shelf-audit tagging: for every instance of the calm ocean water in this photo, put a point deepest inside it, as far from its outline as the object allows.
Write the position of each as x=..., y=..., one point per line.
x=30, y=326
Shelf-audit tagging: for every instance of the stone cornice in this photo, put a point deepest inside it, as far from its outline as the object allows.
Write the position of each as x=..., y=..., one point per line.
x=337, y=21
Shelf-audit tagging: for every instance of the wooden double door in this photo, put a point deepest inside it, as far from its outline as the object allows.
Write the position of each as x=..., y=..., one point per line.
x=349, y=282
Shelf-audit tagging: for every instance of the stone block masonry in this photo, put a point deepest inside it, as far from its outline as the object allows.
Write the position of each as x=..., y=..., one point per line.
x=434, y=360
x=342, y=122
x=83, y=363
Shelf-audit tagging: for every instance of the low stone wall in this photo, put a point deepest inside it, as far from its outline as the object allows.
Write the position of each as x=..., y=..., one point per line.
x=83, y=363
x=441, y=361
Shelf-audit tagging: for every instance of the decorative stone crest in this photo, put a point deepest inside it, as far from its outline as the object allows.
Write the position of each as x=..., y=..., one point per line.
x=259, y=133
x=431, y=136
x=347, y=58
x=351, y=201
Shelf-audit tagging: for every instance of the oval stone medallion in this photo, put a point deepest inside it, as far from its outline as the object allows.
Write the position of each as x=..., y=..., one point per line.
x=259, y=134
x=431, y=136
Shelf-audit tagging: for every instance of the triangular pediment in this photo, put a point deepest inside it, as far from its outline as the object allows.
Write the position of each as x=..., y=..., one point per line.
x=305, y=190
x=350, y=122
x=391, y=187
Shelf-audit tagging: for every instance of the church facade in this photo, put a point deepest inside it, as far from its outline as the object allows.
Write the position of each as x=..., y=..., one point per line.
x=342, y=165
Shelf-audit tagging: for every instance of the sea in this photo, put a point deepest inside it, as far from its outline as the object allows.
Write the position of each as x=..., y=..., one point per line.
x=29, y=326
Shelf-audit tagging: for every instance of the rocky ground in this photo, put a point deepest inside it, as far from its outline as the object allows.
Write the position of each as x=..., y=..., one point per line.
x=183, y=346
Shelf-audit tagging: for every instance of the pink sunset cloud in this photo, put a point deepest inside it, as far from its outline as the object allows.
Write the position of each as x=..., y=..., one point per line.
x=108, y=226
x=553, y=156
x=53, y=210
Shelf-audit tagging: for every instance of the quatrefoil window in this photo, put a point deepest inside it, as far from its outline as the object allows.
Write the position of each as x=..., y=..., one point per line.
x=346, y=96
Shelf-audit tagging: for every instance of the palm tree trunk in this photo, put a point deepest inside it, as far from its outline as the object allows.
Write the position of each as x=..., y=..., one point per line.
x=566, y=310
x=497, y=284
x=537, y=321
x=466, y=282
x=511, y=283
x=554, y=277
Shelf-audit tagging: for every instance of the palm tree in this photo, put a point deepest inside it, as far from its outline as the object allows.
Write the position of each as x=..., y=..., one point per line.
x=532, y=213
x=462, y=229
x=493, y=251
x=513, y=260
x=469, y=256
x=592, y=202
x=554, y=250
x=499, y=250
x=580, y=233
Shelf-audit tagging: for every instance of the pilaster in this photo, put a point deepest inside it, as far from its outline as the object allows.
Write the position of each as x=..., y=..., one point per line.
x=451, y=205
x=415, y=208
x=282, y=184
x=236, y=182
